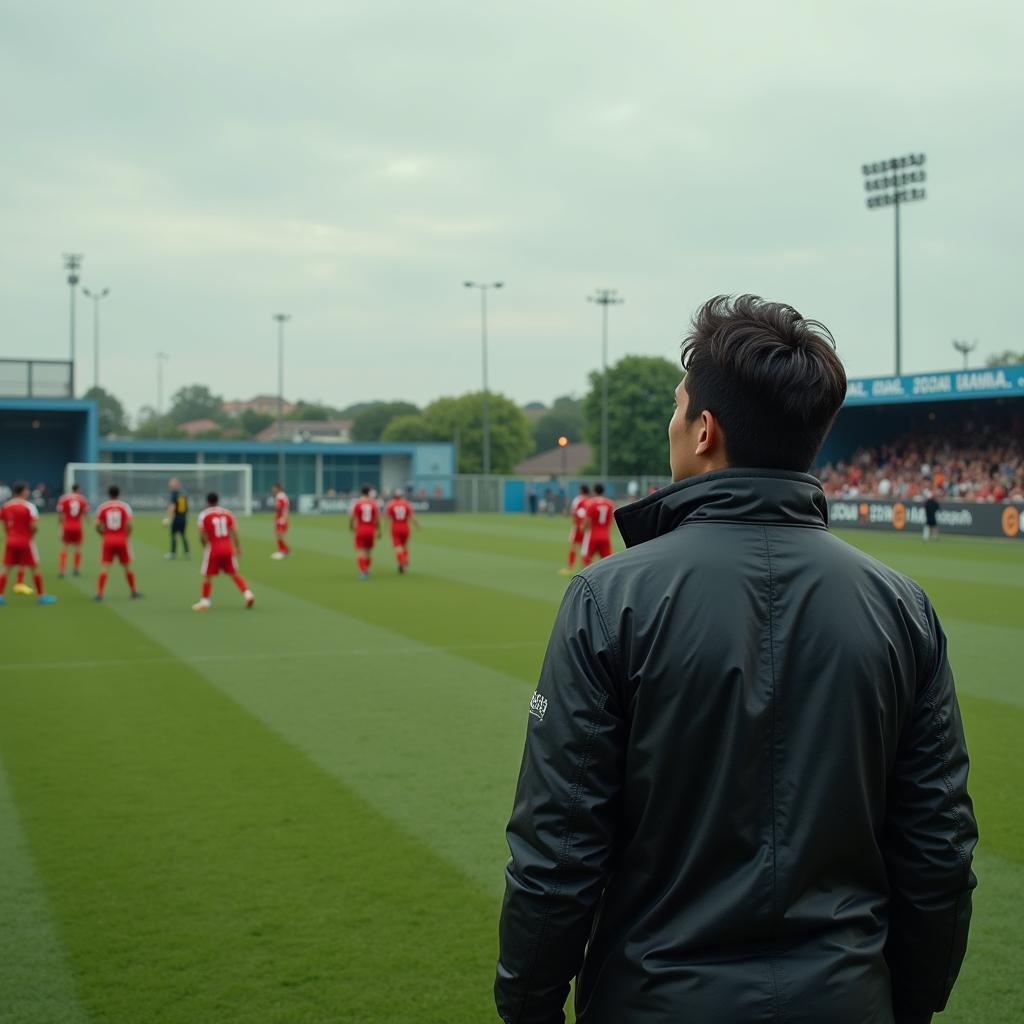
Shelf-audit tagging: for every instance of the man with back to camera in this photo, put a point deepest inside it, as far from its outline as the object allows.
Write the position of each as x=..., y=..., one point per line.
x=931, y=517
x=176, y=515
x=744, y=790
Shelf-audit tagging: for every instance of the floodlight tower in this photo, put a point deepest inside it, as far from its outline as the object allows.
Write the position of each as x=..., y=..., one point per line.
x=72, y=264
x=282, y=319
x=484, y=288
x=886, y=183
x=604, y=297
x=965, y=348
x=96, y=297
x=161, y=359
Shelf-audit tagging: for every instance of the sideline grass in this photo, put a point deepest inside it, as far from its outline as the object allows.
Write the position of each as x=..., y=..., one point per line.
x=296, y=813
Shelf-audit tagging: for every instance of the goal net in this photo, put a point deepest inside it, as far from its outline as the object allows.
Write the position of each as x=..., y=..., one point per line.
x=146, y=486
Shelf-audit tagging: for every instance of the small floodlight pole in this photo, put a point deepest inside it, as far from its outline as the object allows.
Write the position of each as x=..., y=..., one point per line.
x=161, y=358
x=886, y=182
x=604, y=297
x=281, y=319
x=72, y=264
x=96, y=297
x=965, y=348
x=484, y=288
x=563, y=443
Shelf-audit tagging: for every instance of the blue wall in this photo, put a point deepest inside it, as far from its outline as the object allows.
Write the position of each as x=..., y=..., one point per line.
x=38, y=437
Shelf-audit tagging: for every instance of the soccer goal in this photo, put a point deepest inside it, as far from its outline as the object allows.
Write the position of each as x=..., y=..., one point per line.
x=146, y=486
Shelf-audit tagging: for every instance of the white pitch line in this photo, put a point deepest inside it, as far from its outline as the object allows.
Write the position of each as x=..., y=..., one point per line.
x=282, y=655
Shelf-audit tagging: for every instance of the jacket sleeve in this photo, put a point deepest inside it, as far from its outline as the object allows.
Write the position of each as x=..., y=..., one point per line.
x=929, y=840
x=561, y=832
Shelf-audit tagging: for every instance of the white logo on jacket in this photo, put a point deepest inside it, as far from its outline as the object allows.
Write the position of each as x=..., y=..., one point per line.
x=538, y=705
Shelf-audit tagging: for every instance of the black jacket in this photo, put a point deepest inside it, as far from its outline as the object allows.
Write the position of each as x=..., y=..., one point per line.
x=744, y=790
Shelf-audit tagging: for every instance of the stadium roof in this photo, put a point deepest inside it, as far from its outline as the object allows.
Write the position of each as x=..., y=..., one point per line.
x=952, y=385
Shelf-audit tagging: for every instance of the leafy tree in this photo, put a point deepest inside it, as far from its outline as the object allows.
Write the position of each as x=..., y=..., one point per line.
x=149, y=427
x=640, y=392
x=564, y=418
x=195, y=402
x=350, y=412
x=461, y=420
x=111, y=412
x=371, y=423
x=311, y=411
x=1007, y=358
x=252, y=422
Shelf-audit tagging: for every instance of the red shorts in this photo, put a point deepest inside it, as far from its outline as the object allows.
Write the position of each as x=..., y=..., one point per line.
x=71, y=535
x=216, y=560
x=593, y=546
x=281, y=525
x=21, y=554
x=400, y=535
x=365, y=538
x=115, y=551
x=576, y=535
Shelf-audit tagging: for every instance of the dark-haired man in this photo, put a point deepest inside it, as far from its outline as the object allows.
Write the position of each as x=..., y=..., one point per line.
x=114, y=525
x=21, y=521
x=598, y=539
x=744, y=791
x=578, y=530
x=218, y=533
x=176, y=516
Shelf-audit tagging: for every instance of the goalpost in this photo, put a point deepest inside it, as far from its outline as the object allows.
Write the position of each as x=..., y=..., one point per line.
x=146, y=485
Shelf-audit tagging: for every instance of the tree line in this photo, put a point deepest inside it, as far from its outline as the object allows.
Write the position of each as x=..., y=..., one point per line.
x=640, y=392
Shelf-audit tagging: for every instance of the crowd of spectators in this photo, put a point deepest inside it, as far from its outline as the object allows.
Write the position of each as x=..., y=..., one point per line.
x=972, y=461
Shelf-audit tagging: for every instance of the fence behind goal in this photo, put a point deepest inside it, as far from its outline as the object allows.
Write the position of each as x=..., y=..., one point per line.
x=147, y=486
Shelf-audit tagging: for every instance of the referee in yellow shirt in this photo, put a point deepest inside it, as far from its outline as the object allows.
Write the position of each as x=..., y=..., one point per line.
x=177, y=517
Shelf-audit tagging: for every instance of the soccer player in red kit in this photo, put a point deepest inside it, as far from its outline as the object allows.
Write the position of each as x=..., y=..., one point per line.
x=578, y=530
x=400, y=511
x=71, y=508
x=114, y=525
x=281, y=506
x=364, y=522
x=218, y=534
x=20, y=518
x=600, y=515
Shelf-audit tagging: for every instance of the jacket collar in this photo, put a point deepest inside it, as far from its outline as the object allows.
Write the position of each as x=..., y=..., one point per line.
x=767, y=496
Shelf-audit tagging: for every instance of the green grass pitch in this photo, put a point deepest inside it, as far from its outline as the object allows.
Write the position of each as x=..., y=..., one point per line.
x=296, y=814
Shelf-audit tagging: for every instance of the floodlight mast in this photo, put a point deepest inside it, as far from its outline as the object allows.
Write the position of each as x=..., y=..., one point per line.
x=604, y=297
x=484, y=288
x=72, y=264
x=965, y=348
x=886, y=181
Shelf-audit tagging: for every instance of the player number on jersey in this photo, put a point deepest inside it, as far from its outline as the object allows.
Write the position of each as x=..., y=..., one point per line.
x=74, y=508
x=114, y=519
x=220, y=526
x=400, y=512
x=366, y=512
x=602, y=514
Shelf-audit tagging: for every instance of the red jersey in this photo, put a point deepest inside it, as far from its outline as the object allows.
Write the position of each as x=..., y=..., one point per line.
x=114, y=516
x=399, y=511
x=19, y=516
x=281, y=505
x=600, y=513
x=578, y=509
x=365, y=512
x=216, y=524
x=72, y=508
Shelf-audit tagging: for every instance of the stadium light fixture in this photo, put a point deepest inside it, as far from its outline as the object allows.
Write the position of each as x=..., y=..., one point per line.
x=604, y=297
x=281, y=319
x=96, y=297
x=161, y=358
x=484, y=288
x=72, y=264
x=563, y=443
x=894, y=182
x=965, y=348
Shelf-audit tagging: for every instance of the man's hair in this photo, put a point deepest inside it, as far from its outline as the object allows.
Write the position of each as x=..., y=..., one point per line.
x=114, y=491
x=771, y=378
x=19, y=488
x=584, y=489
x=75, y=487
x=365, y=489
x=212, y=498
x=599, y=488
x=277, y=485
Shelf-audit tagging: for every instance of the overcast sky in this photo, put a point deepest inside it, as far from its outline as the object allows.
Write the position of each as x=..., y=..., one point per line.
x=351, y=163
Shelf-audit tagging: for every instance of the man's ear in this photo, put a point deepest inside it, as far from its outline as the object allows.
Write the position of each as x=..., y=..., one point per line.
x=709, y=440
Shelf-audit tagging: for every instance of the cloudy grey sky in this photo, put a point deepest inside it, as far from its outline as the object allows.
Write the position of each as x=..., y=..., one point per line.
x=352, y=162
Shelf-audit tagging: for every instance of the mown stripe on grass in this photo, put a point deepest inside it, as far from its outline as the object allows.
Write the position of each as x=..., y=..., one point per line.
x=203, y=869
x=36, y=985
x=987, y=660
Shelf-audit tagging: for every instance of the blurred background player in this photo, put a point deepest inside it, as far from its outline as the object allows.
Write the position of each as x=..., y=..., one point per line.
x=177, y=516
x=218, y=534
x=71, y=508
x=114, y=525
x=400, y=511
x=931, y=517
x=578, y=530
x=364, y=522
x=281, y=506
x=20, y=518
x=600, y=513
